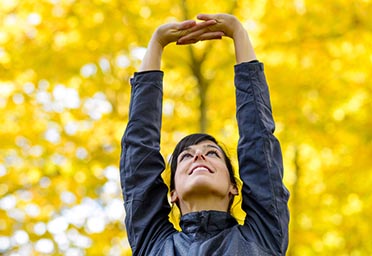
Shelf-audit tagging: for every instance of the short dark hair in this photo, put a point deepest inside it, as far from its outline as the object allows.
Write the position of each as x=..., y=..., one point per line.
x=191, y=140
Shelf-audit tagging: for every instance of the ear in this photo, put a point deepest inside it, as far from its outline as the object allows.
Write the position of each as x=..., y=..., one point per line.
x=174, y=196
x=234, y=190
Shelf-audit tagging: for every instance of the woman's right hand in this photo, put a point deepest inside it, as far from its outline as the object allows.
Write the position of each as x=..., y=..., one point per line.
x=225, y=24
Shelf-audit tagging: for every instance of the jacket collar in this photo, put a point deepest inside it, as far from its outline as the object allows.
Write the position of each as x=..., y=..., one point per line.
x=206, y=222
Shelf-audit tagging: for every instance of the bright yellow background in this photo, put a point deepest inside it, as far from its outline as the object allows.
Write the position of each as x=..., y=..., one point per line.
x=64, y=96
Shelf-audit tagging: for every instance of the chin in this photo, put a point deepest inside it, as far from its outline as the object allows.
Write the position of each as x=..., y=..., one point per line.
x=204, y=188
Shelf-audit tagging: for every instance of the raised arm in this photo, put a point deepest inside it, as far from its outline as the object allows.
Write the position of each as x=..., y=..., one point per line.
x=141, y=164
x=264, y=195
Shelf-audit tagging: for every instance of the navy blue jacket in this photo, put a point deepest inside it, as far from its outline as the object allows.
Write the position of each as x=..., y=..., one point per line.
x=265, y=198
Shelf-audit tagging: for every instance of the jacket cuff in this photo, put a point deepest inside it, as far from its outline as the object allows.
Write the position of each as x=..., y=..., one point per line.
x=147, y=76
x=254, y=65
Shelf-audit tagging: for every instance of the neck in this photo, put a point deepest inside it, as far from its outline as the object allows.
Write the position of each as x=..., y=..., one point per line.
x=197, y=204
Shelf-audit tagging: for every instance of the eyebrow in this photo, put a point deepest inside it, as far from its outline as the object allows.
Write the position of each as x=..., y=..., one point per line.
x=205, y=146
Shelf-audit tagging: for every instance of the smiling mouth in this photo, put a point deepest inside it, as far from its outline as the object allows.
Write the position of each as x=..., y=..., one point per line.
x=200, y=168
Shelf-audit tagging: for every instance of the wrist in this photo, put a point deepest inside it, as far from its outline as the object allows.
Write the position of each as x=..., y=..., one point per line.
x=152, y=58
x=239, y=32
x=155, y=41
x=244, y=51
x=158, y=38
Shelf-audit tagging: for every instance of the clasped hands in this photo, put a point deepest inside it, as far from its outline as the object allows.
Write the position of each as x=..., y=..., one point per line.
x=212, y=26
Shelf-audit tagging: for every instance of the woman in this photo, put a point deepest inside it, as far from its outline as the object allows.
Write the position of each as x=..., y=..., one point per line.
x=202, y=182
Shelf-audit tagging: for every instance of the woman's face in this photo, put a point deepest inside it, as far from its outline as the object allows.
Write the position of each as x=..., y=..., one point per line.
x=201, y=171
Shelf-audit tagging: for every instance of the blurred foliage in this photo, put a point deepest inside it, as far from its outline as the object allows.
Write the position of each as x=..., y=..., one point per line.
x=64, y=97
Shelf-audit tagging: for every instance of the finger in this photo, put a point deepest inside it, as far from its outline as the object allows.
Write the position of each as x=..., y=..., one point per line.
x=196, y=30
x=211, y=36
x=199, y=29
x=201, y=37
x=206, y=17
x=202, y=25
x=193, y=41
x=201, y=33
x=187, y=41
x=190, y=36
x=187, y=24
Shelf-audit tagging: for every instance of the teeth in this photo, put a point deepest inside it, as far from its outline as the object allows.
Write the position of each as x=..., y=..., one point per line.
x=201, y=169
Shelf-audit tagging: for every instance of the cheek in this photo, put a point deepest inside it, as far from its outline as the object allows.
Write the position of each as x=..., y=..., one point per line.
x=221, y=165
x=182, y=167
x=223, y=170
x=178, y=174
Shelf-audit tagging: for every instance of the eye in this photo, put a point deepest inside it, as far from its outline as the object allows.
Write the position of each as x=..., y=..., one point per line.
x=184, y=156
x=213, y=153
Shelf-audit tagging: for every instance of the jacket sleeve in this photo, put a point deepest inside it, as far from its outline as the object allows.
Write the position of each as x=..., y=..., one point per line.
x=264, y=195
x=141, y=165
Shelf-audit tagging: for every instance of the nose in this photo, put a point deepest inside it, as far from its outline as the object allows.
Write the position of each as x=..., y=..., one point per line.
x=199, y=154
